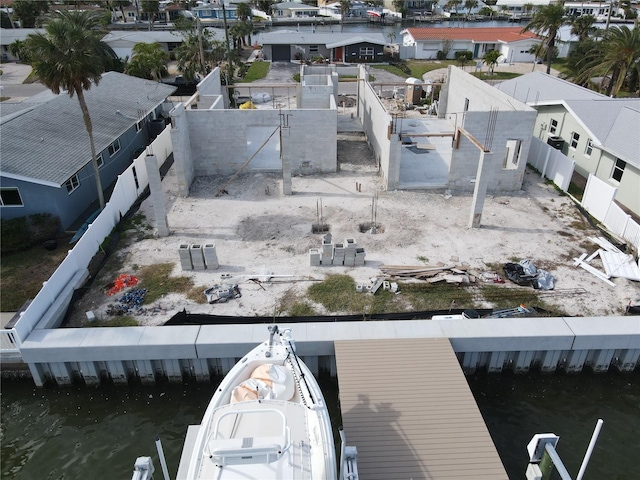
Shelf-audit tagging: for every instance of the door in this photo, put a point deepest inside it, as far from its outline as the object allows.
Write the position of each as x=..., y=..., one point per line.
x=281, y=53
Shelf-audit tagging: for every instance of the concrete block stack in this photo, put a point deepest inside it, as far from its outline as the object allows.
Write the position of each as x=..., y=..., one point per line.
x=185, y=257
x=314, y=257
x=197, y=258
x=210, y=256
x=339, y=254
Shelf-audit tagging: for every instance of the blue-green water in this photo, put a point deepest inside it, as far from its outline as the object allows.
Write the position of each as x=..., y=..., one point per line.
x=97, y=433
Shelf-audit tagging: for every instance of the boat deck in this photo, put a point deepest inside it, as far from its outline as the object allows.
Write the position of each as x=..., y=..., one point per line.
x=407, y=407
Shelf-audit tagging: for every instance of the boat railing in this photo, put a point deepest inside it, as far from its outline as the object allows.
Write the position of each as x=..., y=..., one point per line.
x=233, y=451
x=348, y=459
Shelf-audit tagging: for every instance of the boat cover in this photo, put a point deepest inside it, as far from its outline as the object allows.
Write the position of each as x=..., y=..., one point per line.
x=267, y=382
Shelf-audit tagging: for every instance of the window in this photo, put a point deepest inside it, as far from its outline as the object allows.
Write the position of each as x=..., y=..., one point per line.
x=589, y=149
x=72, y=183
x=114, y=147
x=574, y=140
x=553, y=126
x=512, y=154
x=100, y=160
x=366, y=51
x=313, y=48
x=618, y=169
x=466, y=104
x=10, y=197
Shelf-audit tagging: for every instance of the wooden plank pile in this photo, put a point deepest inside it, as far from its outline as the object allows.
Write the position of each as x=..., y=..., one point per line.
x=452, y=273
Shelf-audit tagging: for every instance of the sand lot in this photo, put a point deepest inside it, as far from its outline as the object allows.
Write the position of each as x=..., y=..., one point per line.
x=257, y=229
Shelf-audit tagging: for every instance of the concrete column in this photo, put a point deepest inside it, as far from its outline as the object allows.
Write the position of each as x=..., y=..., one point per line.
x=89, y=373
x=36, y=374
x=480, y=190
x=287, y=186
x=312, y=363
x=470, y=362
x=227, y=364
x=157, y=195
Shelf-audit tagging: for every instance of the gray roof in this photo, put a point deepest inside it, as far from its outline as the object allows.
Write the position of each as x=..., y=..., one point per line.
x=293, y=5
x=308, y=38
x=9, y=35
x=615, y=123
x=48, y=142
x=538, y=87
x=135, y=36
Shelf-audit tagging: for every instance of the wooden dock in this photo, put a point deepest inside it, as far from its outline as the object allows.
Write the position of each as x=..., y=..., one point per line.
x=407, y=407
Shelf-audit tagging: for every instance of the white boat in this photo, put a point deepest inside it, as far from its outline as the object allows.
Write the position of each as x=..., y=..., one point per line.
x=267, y=420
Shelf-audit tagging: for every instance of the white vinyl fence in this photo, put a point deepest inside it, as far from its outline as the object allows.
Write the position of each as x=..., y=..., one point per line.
x=598, y=201
x=551, y=163
x=45, y=309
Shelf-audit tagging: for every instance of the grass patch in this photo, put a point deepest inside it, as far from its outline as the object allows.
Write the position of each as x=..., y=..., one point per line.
x=257, y=71
x=495, y=75
x=158, y=282
x=122, y=321
x=22, y=273
x=576, y=191
x=294, y=305
x=420, y=67
x=391, y=69
x=337, y=293
x=425, y=296
x=560, y=64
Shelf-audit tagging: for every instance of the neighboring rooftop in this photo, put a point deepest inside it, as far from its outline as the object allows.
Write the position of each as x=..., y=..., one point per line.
x=539, y=87
x=47, y=141
x=287, y=37
x=476, y=35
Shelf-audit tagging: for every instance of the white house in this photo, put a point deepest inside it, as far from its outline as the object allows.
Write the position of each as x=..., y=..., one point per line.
x=425, y=43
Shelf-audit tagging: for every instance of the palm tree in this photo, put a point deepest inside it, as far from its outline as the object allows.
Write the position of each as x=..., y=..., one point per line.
x=120, y=4
x=546, y=22
x=345, y=6
x=188, y=55
x=70, y=56
x=618, y=56
x=469, y=5
x=243, y=12
x=582, y=26
x=151, y=8
x=149, y=60
x=490, y=59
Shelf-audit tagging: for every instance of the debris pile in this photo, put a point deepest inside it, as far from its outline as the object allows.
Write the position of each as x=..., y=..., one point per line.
x=431, y=274
x=525, y=273
x=123, y=281
x=616, y=263
x=128, y=304
x=222, y=293
x=375, y=284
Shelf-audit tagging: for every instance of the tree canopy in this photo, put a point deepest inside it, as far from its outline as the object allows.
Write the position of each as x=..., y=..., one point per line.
x=70, y=56
x=148, y=60
x=546, y=22
x=28, y=11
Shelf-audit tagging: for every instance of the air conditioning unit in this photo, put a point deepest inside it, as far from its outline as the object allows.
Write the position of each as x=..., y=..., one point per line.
x=556, y=142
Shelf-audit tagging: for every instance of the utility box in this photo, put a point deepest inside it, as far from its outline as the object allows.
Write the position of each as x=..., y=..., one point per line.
x=413, y=90
x=556, y=142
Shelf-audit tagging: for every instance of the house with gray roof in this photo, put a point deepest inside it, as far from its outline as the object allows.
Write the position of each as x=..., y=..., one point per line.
x=601, y=134
x=284, y=46
x=46, y=159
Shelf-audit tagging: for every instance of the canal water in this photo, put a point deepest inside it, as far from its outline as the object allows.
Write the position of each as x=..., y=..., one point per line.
x=97, y=433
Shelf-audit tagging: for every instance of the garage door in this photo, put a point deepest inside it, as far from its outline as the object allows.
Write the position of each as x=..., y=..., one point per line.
x=281, y=53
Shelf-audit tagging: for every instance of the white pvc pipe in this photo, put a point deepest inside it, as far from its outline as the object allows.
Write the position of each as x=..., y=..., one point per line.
x=163, y=461
x=555, y=459
x=592, y=444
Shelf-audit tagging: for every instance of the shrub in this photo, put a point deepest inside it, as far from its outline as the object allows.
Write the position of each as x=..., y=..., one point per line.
x=22, y=232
